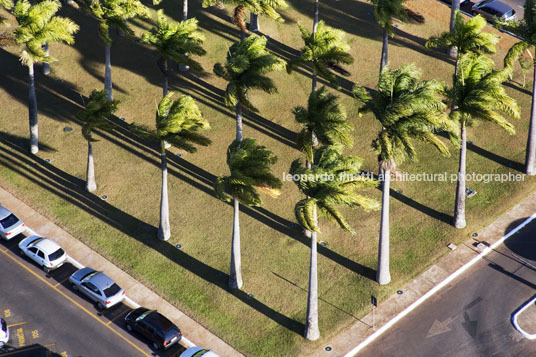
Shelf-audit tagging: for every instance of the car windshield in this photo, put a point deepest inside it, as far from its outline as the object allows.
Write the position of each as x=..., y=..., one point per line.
x=88, y=276
x=112, y=290
x=56, y=255
x=142, y=316
x=200, y=353
x=484, y=3
x=171, y=333
x=9, y=221
x=4, y=326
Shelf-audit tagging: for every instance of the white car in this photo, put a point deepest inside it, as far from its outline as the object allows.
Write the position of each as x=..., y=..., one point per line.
x=97, y=286
x=44, y=251
x=10, y=225
x=198, y=352
x=4, y=332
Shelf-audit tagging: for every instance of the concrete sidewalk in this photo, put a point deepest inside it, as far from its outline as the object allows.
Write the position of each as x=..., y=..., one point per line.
x=134, y=289
x=411, y=292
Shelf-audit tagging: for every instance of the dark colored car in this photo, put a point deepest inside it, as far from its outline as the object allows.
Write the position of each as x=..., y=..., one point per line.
x=153, y=326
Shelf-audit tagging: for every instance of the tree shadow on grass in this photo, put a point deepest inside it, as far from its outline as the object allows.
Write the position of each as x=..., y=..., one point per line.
x=501, y=160
x=71, y=189
x=429, y=211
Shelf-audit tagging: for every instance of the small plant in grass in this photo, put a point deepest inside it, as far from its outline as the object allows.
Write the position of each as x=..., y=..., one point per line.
x=250, y=166
x=478, y=94
x=337, y=182
x=175, y=41
x=38, y=24
x=96, y=115
x=407, y=109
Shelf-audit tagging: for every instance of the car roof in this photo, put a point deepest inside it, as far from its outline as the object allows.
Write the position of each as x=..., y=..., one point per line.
x=193, y=350
x=101, y=281
x=158, y=320
x=4, y=212
x=46, y=245
x=499, y=6
x=80, y=273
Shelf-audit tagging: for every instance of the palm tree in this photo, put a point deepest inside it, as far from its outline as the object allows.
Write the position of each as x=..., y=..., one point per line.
x=258, y=7
x=114, y=13
x=246, y=66
x=337, y=181
x=454, y=8
x=408, y=109
x=324, y=51
x=6, y=5
x=324, y=122
x=478, y=94
x=177, y=123
x=385, y=11
x=39, y=24
x=466, y=37
x=526, y=29
x=269, y=8
x=95, y=115
x=174, y=41
x=250, y=166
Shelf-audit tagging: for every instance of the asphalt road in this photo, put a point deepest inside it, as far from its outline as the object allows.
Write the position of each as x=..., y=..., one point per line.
x=46, y=318
x=471, y=316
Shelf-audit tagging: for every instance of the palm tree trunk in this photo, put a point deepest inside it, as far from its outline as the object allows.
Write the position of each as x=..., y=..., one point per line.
x=383, y=275
x=530, y=168
x=46, y=65
x=453, y=51
x=308, y=165
x=312, y=331
x=315, y=77
x=91, y=185
x=254, y=22
x=164, y=230
x=459, y=211
x=239, y=121
x=184, y=10
x=32, y=111
x=166, y=80
x=315, y=23
x=235, y=275
x=385, y=50
x=108, y=73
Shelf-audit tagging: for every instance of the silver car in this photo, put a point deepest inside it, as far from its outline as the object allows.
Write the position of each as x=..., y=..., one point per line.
x=10, y=225
x=45, y=252
x=97, y=286
x=4, y=332
x=493, y=10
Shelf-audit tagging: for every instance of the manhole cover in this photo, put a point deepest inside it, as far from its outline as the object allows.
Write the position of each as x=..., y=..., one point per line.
x=67, y=129
x=104, y=197
x=400, y=292
x=178, y=246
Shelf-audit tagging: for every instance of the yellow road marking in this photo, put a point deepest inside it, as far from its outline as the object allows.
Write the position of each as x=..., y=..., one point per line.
x=17, y=324
x=61, y=282
x=35, y=334
x=7, y=313
x=112, y=320
x=77, y=304
x=20, y=337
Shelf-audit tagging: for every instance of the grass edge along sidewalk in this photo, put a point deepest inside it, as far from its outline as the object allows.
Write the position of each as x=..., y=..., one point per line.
x=448, y=268
x=138, y=294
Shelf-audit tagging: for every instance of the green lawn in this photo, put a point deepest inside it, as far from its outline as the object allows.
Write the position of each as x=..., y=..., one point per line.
x=275, y=256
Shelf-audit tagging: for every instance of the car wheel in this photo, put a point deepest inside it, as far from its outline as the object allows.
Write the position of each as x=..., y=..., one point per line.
x=156, y=346
x=75, y=287
x=473, y=13
x=21, y=252
x=46, y=269
x=129, y=328
x=100, y=306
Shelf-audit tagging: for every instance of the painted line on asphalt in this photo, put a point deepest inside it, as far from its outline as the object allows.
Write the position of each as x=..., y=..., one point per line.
x=435, y=289
x=77, y=304
x=17, y=324
x=515, y=317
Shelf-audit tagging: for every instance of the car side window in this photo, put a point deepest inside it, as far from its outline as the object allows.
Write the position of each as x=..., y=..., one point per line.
x=40, y=254
x=32, y=250
x=91, y=287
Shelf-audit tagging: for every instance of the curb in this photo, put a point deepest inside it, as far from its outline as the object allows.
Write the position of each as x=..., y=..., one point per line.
x=133, y=304
x=438, y=287
x=516, y=315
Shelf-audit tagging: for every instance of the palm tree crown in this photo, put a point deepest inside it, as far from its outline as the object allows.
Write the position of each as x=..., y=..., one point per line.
x=39, y=25
x=174, y=40
x=250, y=166
x=246, y=66
x=114, y=13
x=326, y=118
x=336, y=179
x=97, y=113
x=385, y=11
x=407, y=109
x=325, y=52
x=6, y=5
x=478, y=93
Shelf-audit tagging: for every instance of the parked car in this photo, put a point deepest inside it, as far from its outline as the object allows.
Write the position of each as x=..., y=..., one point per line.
x=461, y=1
x=198, y=352
x=97, y=286
x=10, y=225
x=44, y=251
x=493, y=10
x=4, y=332
x=153, y=326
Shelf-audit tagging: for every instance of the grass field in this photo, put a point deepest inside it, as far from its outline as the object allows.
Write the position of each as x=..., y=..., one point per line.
x=275, y=256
